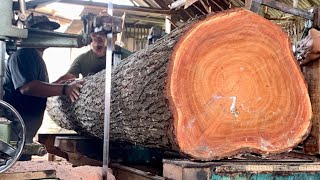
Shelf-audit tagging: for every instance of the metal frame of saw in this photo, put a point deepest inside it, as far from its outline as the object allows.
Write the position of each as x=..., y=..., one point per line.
x=12, y=36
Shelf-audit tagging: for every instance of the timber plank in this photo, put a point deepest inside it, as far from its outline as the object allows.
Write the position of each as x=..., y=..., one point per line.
x=28, y=175
x=311, y=73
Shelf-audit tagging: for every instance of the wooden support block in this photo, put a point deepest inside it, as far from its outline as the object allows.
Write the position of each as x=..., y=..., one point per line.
x=316, y=18
x=176, y=172
x=29, y=175
x=312, y=75
x=128, y=173
x=51, y=157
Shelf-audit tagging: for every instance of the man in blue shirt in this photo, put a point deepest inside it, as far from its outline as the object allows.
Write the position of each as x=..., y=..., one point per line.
x=27, y=86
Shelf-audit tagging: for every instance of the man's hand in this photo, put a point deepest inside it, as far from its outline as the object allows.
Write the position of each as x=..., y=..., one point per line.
x=73, y=90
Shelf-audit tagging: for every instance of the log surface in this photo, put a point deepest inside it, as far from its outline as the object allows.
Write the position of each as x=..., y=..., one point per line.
x=211, y=89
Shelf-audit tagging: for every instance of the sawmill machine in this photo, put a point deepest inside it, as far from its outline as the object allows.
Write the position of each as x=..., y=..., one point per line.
x=15, y=34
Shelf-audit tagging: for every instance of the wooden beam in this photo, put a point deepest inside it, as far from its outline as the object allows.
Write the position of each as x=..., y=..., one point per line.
x=177, y=4
x=145, y=19
x=131, y=25
x=162, y=4
x=312, y=75
x=286, y=8
x=295, y=3
x=183, y=15
x=189, y=3
x=124, y=172
x=33, y=4
x=119, y=7
x=221, y=8
x=133, y=2
x=147, y=3
x=248, y=4
x=75, y=27
x=205, y=6
x=199, y=9
x=312, y=3
x=316, y=18
x=151, y=3
x=52, y=16
x=29, y=175
x=189, y=13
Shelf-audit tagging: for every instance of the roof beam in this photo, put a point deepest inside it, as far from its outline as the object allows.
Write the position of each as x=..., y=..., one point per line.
x=34, y=4
x=119, y=7
x=177, y=4
x=161, y=4
x=146, y=19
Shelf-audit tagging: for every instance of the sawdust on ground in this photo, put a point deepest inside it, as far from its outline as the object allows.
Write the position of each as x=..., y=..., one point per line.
x=64, y=170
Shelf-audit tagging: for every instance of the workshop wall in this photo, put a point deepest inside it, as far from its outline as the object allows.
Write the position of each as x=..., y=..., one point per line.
x=58, y=60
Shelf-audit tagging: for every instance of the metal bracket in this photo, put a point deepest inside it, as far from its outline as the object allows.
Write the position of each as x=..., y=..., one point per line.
x=107, y=23
x=6, y=28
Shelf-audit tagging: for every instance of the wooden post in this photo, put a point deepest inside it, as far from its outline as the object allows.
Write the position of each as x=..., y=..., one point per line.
x=44, y=174
x=312, y=76
x=253, y=6
x=316, y=18
x=51, y=157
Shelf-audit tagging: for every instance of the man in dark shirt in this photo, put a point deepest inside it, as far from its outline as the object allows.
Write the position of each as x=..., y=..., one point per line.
x=92, y=61
x=26, y=84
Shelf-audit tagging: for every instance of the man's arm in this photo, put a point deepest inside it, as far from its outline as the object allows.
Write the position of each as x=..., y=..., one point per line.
x=25, y=68
x=73, y=72
x=42, y=89
x=65, y=77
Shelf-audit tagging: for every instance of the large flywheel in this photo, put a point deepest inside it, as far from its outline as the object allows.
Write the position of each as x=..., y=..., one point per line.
x=12, y=136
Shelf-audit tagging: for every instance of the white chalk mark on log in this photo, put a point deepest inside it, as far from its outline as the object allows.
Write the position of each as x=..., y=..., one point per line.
x=233, y=108
x=265, y=144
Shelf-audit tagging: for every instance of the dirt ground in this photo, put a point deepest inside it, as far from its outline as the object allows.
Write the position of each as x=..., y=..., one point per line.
x=64, y=170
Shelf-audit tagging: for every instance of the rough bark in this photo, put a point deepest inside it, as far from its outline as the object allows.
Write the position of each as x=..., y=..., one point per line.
x=213, y=88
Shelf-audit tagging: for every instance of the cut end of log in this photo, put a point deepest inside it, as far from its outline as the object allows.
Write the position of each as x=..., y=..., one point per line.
x=234, y=86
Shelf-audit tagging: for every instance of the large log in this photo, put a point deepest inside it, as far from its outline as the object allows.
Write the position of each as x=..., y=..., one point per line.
x=223, y=85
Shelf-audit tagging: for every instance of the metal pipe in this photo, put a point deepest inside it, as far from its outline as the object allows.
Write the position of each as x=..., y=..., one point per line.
x=2, y=66
x=23, y=7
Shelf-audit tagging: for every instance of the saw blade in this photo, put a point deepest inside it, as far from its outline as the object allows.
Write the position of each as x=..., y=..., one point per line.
x=107, y=99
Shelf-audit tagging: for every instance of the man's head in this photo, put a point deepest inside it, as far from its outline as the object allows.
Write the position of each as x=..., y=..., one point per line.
x=42, y=22
x=98, y=42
